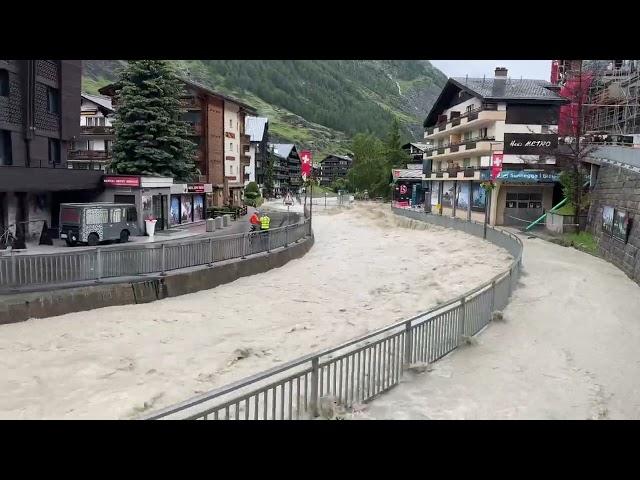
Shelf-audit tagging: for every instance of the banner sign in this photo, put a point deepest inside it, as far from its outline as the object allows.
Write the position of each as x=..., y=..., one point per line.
x=530, y=143
x=195, y=187
x=527, y=177
x=118, y=181
x=305, y=158
x=496, y=164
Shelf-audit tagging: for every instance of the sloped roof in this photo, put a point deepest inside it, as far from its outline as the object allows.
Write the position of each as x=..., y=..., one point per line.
x=104, y=102
x=254, y=127
x=282, y=150
x=406, y=174
x=341, y=157
x=421, y=146
x=508, y=89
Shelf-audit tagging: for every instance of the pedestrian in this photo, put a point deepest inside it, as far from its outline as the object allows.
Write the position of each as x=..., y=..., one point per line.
x=265, y=222
x=255, y=221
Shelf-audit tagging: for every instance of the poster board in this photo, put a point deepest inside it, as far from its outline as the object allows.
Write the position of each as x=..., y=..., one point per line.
x=447, y=194
x=620, y=225
x=462, y=195
x=607, y=220
x=478, y=197
x=174, y=210
x=435, y=191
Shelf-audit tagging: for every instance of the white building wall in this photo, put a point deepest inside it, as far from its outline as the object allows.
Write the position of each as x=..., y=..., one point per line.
x=251, y=169
x=462, y=107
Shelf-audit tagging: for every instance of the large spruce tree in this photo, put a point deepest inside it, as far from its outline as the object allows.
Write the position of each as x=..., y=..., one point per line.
x=151, y=137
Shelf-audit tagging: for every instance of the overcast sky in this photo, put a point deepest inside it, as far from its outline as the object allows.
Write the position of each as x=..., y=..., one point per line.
x=538, y=69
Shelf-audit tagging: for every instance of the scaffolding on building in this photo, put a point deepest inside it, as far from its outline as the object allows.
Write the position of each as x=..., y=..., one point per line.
x=613, y=102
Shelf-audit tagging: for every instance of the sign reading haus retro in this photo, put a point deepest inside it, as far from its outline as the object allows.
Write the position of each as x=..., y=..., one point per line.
x=530, y=143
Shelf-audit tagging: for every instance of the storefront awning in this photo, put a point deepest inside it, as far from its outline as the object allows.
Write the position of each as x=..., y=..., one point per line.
x=524, y=176
x=406, y=174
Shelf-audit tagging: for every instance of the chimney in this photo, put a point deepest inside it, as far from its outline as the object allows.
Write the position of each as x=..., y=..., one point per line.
x=501, y=72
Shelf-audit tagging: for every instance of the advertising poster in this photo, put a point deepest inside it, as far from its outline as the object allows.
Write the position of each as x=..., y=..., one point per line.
x=620, y=225
x=198, y=208
x=496, y=164
x=186, y=209
x=607, y=220
x=462, y=196
x=146, y=203
x=478, y=197
x=435, y=189
x=175, y=210
x=447, y=194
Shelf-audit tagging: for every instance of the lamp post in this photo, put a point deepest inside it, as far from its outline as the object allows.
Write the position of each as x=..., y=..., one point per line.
x=488, y=191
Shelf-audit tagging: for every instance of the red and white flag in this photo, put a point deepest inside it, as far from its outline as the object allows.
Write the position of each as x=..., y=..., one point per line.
x=496, y=164
x=305, y=158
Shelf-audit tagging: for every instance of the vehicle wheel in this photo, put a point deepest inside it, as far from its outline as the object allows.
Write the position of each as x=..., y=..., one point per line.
x=124, y=236
x=93, y=239
x=70, y=243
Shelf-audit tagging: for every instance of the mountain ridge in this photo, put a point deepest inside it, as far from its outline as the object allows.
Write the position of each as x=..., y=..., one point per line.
x=318, y=104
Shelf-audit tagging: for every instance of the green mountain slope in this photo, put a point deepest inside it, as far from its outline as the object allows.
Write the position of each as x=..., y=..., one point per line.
x=318, y=104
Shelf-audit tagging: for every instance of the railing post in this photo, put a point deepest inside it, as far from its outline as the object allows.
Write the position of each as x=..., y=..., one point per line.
x=286, y=235
x=163, y=272
x=244, y=245
x=268, y=234
x=407, y=343
x=463, y=313
x=14, y=268
x=98, y=264
x=211, y=258
x=315, y=367
x=510, y=281
x=493, y=299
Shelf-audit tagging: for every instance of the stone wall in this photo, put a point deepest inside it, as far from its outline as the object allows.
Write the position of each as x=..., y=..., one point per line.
x=618, y=188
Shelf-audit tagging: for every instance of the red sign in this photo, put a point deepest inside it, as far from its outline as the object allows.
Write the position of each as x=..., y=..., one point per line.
x=396, y=173
x=403, y=189
x=305, y=157
x=121, y=181
x=195, y=188
x=496, y=164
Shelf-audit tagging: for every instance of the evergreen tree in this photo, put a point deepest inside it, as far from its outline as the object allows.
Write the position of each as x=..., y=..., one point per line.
x=397, y=157
x=151, y=137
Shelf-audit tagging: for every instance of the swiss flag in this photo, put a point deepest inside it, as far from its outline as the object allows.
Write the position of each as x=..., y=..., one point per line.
x=305, y=158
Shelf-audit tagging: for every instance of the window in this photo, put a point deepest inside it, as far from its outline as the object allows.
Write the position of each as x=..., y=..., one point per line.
x=524, y=200
x=230, y=123
x=53, y=100
x=101, y=121
x=466, y=163
x=5, y=148
x=483, y=133
x=231, y=168
x=4, y=83
x=132, y=215
x=469, y=108
x=116, y=215
x=467, y=136
x=231, y=146
x=54, y=151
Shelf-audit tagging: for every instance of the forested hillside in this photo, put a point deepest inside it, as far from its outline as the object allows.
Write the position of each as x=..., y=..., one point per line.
x=319, y=104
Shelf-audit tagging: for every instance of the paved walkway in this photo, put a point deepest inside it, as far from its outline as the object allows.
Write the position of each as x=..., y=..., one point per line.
x=569, y=349
x=192, y=231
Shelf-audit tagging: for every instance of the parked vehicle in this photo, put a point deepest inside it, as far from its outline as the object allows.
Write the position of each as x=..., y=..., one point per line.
x=91, y=223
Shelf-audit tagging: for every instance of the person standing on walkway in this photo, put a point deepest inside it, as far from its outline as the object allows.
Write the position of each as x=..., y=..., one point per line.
x=255, y=221
x=265, y=222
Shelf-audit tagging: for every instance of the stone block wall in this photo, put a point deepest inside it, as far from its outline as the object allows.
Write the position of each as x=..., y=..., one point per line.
x=618, y=188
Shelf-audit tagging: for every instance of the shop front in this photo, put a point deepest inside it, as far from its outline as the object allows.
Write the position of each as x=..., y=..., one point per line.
x=150, y=195
x=522, y=196
x=407, y=188
x=188, y=204
x=464, y=199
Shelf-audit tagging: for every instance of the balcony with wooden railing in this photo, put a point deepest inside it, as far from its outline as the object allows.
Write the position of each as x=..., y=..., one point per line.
x=190, y=103
x=475, y=118
x=93, y=155
x=97, y=130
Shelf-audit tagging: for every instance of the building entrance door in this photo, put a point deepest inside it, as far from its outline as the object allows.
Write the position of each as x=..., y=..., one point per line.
x=159, y=211
x=522, y=208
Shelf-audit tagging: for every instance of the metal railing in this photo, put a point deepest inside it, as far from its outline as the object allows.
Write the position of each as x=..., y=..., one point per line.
x=360, y=369
x=18, y=270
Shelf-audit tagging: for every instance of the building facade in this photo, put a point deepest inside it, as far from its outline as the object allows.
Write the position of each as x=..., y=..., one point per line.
x=258, y=130
x=39, y=117
x=493, y=128
x=415, y=151
x=286, y=168
x=91, y=150
x=334, y=167
x=217, y=127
